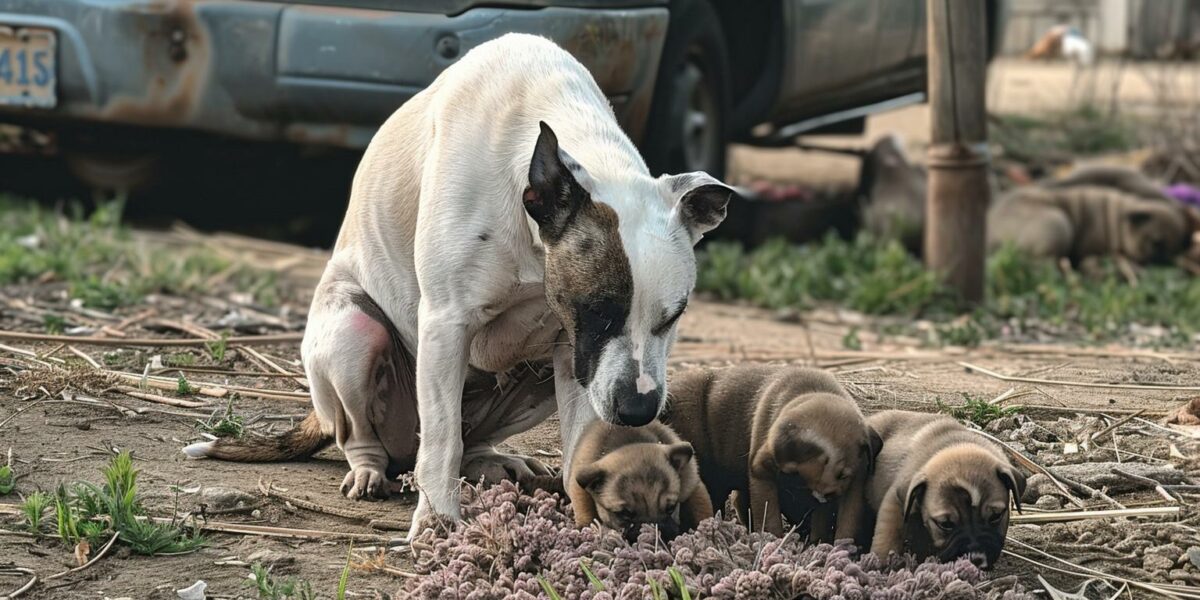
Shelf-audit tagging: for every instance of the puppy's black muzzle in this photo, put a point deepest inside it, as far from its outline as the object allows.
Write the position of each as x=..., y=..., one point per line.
x=981, y=546
x=668, y=530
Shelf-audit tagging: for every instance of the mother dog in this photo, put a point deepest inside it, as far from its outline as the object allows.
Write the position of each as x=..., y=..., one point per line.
x=499, y=218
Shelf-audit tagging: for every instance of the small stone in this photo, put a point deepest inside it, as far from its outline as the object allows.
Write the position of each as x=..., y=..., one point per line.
x=270, y=558
x=1156, y=563
x=1193, y=555
x=223, y=497
x=1049, y=502
x=1002, y=424
x=256, y=514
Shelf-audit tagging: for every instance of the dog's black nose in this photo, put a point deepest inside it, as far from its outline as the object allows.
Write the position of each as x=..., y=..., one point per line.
x=635, y=410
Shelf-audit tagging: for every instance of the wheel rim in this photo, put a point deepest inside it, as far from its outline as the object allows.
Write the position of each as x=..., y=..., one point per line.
x=699, y=118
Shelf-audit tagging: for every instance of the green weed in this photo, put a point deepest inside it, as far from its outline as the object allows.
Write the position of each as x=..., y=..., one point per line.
x=183, y=387
x=595, y=581
x=851, y=341
x=549, y=589
x=270, y=588
x=96, y=512
x=680, y=585
x=216, y=349
x=8, y=480
x=345, y=578
x=227, y=424
x=34, y=508
x=1057, y=136
x=976, y=410
x=54, y=324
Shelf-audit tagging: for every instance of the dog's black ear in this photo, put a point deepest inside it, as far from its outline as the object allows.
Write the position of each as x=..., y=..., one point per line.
x=874, y=445
x=916, y=494
x=699, y=200
x=590, y=477
x=554, y=193
x=1014, y=482
x=679, y=454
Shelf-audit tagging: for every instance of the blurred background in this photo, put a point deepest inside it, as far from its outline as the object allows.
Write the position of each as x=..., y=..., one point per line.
x=251, y=116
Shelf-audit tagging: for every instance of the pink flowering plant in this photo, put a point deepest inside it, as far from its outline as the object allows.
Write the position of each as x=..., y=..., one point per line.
x=512, y=545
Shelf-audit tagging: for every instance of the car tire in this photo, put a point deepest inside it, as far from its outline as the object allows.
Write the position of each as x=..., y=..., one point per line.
x=687, y=127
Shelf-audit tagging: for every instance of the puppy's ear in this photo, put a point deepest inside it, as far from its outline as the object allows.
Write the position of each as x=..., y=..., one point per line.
x=874, y=445
x=554, y=193
x=1014, y=482
x=1139, y=217
x=679, y=454
x=699, y=200
x=763, y=464
x=913, y=497
x=590, y=477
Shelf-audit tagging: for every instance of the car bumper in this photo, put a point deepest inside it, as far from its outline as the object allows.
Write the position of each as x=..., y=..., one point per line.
x=301, y=73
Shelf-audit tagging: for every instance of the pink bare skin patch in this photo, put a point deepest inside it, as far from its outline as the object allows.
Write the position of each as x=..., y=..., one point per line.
x=370, y=331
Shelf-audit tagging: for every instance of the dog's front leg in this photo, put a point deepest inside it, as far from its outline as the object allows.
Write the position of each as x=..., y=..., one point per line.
x=441, y=372
x=575, y=411
x=889, y=527
x=764, y=506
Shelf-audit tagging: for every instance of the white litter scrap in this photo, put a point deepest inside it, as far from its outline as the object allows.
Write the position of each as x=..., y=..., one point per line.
x=193, y=592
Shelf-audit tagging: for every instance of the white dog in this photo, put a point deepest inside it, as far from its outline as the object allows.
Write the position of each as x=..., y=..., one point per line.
x=499, y=219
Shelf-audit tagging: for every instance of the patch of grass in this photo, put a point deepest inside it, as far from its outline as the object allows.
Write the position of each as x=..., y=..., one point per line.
x=54, y=324
x=976, y=410
x=851, y=341
x=100, y=263
x=1022, y=292
x=217, y=349
x=595, y=581
x=227, y=424
x=34, y=508
x=270, y=588
x=180, y=359
x=1051, y=137
x=84, y=511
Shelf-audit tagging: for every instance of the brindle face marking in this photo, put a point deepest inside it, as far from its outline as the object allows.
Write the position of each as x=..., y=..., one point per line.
x=961, y=499
x=618, y=287
x=821, y=445
x=638, y=484
x=1157, y=232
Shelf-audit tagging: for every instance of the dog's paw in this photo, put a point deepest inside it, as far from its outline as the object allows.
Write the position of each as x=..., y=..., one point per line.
x=424, y=518
x=365, y=482
x=492, y=467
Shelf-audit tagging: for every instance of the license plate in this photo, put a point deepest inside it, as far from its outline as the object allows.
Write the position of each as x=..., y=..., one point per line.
x=28, y=72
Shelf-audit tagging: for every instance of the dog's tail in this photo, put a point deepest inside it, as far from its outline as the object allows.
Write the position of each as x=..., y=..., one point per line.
x=302, y=441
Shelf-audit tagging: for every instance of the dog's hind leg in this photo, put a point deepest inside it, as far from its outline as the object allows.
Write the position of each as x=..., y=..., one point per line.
x=362, y=384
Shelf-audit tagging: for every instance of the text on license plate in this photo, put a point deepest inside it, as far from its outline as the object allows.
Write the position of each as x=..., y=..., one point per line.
x=28, y=72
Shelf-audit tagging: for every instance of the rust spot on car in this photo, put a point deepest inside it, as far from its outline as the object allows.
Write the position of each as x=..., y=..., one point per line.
x=177, y=56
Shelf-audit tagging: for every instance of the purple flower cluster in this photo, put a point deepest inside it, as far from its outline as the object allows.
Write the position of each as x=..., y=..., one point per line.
x=511, y=545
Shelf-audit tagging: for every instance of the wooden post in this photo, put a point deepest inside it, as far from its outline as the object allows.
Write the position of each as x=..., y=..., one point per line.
x=956, y=207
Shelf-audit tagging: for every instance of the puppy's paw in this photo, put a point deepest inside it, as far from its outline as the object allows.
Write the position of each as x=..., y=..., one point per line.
x=365, y=482
x=494, y=466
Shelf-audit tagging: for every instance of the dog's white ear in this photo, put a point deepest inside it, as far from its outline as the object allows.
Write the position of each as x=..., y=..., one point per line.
x=699, y=199
x=555, y=189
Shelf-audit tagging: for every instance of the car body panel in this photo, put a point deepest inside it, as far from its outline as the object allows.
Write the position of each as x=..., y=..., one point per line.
x=295, y=72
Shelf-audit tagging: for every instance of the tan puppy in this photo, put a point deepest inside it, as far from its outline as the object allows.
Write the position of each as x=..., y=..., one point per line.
x=940, y=489
x=630, y=476
x=1080, y=221
x=787, y=439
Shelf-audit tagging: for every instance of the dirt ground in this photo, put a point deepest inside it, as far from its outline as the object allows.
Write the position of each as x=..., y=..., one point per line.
x=55, y=435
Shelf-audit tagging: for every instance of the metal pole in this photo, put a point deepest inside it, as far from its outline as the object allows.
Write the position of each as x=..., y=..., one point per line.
x=959, y=193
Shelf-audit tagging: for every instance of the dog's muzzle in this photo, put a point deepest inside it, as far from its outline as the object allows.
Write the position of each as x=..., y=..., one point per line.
x=635, y=409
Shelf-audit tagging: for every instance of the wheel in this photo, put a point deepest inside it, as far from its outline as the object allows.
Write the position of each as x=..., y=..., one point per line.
x=686, y=130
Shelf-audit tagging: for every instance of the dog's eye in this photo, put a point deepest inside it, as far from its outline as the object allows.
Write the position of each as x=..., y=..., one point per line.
x=669, y=321
x=995, y=519
x=625, y=515
x=844, y=475
x=671, y=508
x=946, y=525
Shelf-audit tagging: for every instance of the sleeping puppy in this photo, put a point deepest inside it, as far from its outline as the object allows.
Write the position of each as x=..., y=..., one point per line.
x=939, y=489
x=1125, y=179
x=1081, y=221
x=788, y=440
x=630, y=476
